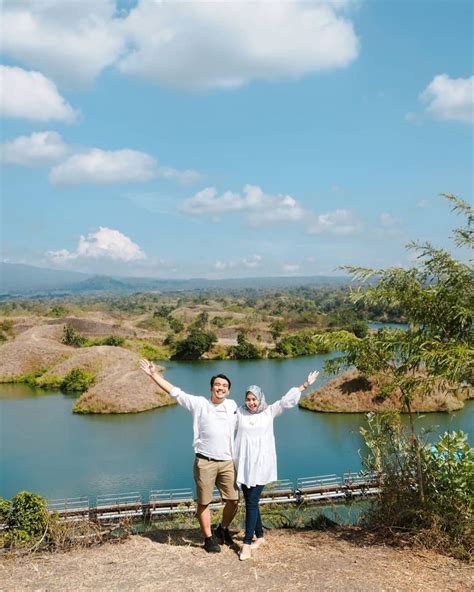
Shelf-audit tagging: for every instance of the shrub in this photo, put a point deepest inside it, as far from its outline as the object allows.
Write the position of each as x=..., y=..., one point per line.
x=196, y=344
x=73, y=337
x=175, y=324
x=244, y=350
x=443, y=516
x=77, y=380
x=27, y=519
x=113, y=340
x=149, y=351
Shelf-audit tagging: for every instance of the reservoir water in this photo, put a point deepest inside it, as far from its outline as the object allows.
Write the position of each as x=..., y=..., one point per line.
x=47, y=449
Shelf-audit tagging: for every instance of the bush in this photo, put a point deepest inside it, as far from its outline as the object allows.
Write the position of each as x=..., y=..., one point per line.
x=443, y=516
x=73, y=337
x=77, y=380
x=113, y=340
x=26, y=520
x=196, y=344
x=244, y=350
x=175, y=325
x=300, y=344
x=149, y=351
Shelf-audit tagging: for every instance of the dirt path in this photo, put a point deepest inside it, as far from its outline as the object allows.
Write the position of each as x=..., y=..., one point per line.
x=292, y=560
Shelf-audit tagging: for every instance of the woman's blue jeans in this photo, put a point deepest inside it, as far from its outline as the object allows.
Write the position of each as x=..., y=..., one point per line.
x=253, y=521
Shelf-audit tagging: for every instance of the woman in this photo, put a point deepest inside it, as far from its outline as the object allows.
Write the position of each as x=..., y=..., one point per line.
x=255, y=455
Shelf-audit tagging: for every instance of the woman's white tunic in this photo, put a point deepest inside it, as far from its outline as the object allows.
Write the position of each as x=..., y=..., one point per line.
x=255, y=454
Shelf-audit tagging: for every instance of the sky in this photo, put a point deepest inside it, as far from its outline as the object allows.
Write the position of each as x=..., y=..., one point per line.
x=232, y=139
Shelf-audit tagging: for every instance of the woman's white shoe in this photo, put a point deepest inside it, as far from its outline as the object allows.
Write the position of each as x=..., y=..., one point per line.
x=257, y=543
x=245, y=553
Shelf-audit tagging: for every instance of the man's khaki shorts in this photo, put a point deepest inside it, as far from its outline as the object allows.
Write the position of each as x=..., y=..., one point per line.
x=208, y=473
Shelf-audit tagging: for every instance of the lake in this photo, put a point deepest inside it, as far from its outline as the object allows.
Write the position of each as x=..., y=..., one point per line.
x=47, y=449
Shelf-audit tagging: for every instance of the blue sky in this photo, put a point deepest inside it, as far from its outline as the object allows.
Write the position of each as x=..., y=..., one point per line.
x=229, y=139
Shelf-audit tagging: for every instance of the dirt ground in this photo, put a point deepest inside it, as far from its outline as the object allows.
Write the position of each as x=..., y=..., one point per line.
x=291, y=560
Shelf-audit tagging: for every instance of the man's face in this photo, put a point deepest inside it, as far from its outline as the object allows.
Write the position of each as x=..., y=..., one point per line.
x=219, y=390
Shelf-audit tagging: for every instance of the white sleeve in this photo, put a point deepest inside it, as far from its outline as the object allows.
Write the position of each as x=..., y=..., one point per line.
x=288, y=401
x=189, y=402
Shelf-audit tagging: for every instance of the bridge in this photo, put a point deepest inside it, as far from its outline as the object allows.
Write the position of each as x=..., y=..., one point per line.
x=135, y=506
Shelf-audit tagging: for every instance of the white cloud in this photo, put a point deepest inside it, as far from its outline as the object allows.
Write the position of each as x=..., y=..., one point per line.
x=450, y=98
x=71, y=41
x=201, y=45
x=104, y=167
x=106, y=243
x=30, y=95
x=339, y=222
x=260, y=207
x=186, y=177
x=388, y=220
x=290, y=268
x=189, y=45
x=37, y=149
x=251, y=262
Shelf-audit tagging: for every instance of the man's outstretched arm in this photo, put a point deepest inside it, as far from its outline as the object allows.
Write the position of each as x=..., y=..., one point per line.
x=150, y=369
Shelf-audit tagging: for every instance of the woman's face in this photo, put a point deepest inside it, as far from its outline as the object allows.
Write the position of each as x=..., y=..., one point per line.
x=251, y=401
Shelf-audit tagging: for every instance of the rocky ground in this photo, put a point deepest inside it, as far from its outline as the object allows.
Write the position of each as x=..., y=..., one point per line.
x=338, y=560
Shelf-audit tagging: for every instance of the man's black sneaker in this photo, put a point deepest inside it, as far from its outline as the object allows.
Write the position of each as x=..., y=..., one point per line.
x=223, y=536
x=211, y=546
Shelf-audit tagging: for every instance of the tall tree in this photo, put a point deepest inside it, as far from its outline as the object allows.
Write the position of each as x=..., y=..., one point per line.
x=437, y=299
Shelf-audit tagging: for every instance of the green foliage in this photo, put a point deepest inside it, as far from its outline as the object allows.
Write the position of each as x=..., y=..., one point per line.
x=443, y=517
x=77, y=380
x=163, y=311
x=58, y=311
x=218, y=321
x=27, y=519
x=175, y=325
x=73, y=337
x=149, y=351
x=244, y=350
x=437, y=299
x=197, y=343
x=301, y=344
x=6, y=329
x=277, y=328
x=5, y=509
x=201, y=321
x=359, y=328
x=114, y=340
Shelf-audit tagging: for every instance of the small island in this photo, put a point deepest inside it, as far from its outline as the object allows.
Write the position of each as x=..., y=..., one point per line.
x=352, y=392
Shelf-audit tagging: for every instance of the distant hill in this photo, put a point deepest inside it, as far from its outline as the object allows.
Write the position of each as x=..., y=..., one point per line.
x=18, y=280
x=16, y=277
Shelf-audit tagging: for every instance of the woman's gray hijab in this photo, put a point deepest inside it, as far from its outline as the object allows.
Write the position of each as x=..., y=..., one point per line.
x=260, y=395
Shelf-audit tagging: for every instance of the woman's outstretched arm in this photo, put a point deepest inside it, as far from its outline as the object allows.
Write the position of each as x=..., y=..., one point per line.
x=292, y=397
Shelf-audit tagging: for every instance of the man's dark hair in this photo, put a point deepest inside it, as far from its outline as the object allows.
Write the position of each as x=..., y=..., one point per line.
x=220, y=376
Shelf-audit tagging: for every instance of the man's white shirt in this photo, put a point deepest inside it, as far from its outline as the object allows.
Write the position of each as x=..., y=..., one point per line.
x=213, y=425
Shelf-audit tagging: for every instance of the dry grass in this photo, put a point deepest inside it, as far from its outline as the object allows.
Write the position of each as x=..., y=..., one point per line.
x=292, y=560
x=352, y=392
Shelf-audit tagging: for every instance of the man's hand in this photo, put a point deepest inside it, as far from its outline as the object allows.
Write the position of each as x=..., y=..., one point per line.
x=148, y=367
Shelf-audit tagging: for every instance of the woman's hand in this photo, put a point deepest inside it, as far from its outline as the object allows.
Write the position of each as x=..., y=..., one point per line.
x=312, y=377
x=148, y=367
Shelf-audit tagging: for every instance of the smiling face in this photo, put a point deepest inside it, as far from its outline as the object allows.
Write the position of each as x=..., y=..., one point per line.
x=219, y=390
x=251, y=402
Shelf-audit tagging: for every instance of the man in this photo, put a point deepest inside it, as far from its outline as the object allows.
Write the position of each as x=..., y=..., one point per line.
x=213, y=426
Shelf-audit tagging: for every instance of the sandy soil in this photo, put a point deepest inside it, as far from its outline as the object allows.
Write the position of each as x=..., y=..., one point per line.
x=291, y=560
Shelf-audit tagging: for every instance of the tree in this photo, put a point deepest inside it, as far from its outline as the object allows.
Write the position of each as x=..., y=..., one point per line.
x=244, y=350
x=73, y=337
x=196, y=344
x=437, y=299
